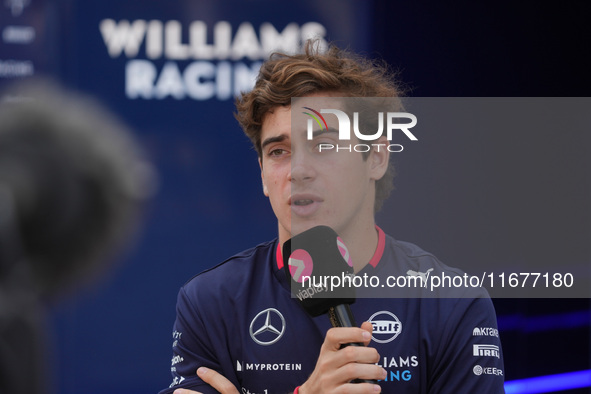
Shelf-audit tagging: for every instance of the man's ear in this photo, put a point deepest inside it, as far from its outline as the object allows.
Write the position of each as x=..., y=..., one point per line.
x=379, y=158
x=265, y=190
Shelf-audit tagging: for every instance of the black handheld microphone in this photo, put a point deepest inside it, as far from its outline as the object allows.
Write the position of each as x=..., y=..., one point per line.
x=313, y=262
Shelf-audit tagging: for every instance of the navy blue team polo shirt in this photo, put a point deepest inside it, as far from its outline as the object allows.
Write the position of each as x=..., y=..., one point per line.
x=240, y=319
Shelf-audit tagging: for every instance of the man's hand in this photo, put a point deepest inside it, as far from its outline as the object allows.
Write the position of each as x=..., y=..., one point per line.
x=214, y=379
x=337, y=367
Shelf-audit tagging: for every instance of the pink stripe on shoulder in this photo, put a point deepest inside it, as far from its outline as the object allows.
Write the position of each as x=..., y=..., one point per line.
x=279, y=256
x=377, y=256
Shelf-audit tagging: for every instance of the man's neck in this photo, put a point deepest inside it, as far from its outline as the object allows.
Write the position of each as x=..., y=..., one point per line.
x=362, y=245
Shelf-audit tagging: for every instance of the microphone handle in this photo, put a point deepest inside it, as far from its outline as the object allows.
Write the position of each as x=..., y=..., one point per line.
x=342, y=316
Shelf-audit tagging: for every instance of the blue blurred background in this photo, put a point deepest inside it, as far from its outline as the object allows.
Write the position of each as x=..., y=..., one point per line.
x=176, y=91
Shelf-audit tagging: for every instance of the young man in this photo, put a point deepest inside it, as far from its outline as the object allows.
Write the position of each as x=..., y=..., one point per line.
x=238, y=329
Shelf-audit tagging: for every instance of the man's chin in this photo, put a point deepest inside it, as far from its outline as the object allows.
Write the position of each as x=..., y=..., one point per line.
x=298, y=228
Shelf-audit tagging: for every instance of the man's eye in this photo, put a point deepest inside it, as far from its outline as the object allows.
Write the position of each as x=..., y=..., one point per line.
x=276, y=152
x=323, y=145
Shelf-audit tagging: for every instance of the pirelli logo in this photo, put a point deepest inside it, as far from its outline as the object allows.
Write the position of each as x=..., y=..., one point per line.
x=483, y=350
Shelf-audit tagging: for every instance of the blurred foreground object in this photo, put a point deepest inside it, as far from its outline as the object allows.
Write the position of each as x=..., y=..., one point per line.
x=72, y=183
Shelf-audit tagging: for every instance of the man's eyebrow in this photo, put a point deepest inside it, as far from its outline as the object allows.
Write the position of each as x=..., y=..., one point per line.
x=317, y=133
x=270, y=140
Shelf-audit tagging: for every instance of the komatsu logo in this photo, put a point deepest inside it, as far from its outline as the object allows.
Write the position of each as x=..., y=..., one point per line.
x=169, y=60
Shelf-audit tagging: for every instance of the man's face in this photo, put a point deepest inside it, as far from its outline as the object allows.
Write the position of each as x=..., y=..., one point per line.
x=308, y=186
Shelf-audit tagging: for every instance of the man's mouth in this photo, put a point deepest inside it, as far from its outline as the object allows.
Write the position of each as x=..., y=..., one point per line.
x=302, y=202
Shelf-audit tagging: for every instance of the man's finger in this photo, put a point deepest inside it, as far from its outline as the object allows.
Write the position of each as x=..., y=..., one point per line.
x=360, y=371
x=185, y=391
x=367, y=326
x=216, y=380
x=335, y=337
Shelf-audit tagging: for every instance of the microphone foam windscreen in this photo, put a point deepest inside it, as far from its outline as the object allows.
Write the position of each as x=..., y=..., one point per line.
x=79, y=180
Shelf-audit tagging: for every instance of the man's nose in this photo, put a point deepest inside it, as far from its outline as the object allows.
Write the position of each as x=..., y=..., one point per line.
x=302, y=166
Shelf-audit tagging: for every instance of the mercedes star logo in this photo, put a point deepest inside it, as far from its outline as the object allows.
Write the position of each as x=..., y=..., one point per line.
x=270, y=327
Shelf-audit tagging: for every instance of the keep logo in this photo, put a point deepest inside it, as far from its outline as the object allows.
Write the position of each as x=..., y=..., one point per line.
x=479, y=370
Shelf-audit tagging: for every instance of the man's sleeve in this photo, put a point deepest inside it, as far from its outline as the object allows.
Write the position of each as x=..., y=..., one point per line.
x=193, y=347
x=469, y=358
